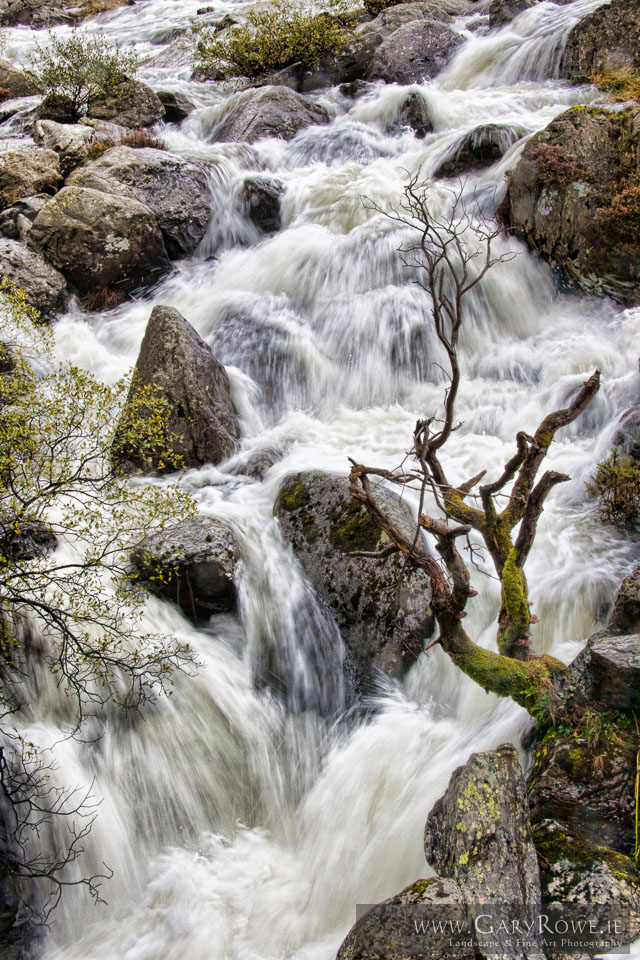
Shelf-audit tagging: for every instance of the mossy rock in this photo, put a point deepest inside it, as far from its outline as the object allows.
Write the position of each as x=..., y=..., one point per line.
x=577, y=871
x=583, y=776
x=383, y=612
x=574, y=198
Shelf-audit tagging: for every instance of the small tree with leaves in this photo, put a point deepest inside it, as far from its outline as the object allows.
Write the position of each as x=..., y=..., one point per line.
x=75, y=607
x=450, y=255
x=81, y=68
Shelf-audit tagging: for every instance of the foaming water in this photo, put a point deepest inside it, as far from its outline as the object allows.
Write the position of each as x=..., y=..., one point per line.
x=245, y=816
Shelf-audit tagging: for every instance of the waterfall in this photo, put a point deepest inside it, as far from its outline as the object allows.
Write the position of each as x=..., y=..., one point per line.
x=240, y=825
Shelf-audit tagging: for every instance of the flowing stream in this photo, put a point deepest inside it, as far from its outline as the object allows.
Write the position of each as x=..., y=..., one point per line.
x=238, y=828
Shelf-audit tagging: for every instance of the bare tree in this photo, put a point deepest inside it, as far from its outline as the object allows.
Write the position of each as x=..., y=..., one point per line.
x=451, y=255
x=31, y=804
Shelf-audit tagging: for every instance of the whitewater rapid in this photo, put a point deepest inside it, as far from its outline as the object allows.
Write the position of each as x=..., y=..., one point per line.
x=237, y=829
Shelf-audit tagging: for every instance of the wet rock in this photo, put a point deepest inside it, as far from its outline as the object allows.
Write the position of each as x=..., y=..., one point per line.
x=131, y=104
x=607, y=670
x=416, y=51
x=26, y=171
x=387, y=931
x=177, y=107
x=607, y=39
x=258, y=465
x=34, y=540
x=383, y=625
x=478, y=833
x=260, y=200
x=572, y=195
x=625, y=618
x=268, y=112
x=413, y=113
x=33, y=13
x=503, y=11
x=479, y=148
x=193, y=564
x=44, y=286
x=18, y=83
x=173, y=189
x=16, y=220
x=627, y=438
x=585, y=779
x=268, y=354
x=354, y=89
x=100, y=240
x=180, y=365
x=575, y=873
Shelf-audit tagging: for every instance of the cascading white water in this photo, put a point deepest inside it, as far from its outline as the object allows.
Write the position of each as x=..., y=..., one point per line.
x=240, y=825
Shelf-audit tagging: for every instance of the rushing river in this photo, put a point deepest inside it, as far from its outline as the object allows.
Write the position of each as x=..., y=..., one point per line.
x=236, y=830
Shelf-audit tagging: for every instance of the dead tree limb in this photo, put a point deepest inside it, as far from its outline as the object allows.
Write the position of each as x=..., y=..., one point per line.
x=448, y=266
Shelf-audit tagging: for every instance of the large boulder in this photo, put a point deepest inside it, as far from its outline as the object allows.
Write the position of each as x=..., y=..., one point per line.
x=193, y=564
x=26, y=171
x=478, y=838
x=479, y=148
x=175, y=190
x=179, y=365
x=32, y=13
x=383, y=619
x=479, y=835
x=268, y=112
x=607, y=671
x=573, y=199
x=130, y=104
x=44, y=286
x=73, y=142
x=18, y=83
x=417, y=51
x=99, y=240
x=391, y=19
x=607, y=39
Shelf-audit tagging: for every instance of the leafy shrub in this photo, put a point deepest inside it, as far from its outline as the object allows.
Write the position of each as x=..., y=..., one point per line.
x=81, y=67
x=621, y=85
x=617, y=485
x=285, y=32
